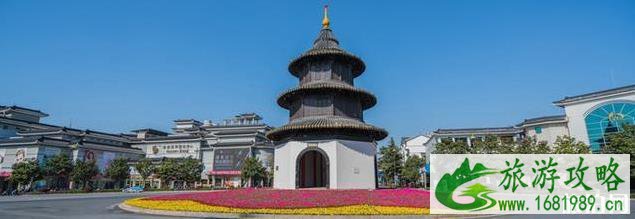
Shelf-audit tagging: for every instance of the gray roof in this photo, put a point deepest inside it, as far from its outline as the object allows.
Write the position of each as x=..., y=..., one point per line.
x=327, y=45
x=595, y=94
x=14, y=107
x=544, y=119
x=239, y=143
x=172, y=137
x=30, y=139
x=368, y=100
x=187, y=121
x=28, y=123
x=346, y=125
x=470, y=131
x=150, y=131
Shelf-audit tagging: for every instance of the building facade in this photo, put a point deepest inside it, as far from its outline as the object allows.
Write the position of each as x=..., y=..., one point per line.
x=326, y=142
x=221, y=147
x=587, y=117
x=593, y=115
x=25, y=138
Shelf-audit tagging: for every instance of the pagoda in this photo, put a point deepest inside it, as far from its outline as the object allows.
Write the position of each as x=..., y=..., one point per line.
x=326, y=142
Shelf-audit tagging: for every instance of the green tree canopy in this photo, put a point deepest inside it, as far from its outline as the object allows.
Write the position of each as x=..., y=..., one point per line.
x=167, y=171
x=529, y=145
x=391, y=162
x=252, y=171
x=410, y=174
x=57, y=169
x=83, y=172
x=452, y=147
x=569, y=145
x=118, y=171
x=189, y=170
x=145, y=168
x=24, y=173
x=489, y=145
x=622, y=143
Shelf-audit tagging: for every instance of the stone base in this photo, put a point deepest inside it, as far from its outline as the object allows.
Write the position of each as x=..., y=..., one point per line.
x=351, y=164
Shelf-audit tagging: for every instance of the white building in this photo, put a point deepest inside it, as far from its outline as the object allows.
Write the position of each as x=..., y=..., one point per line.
x=221, y=147
x=591, y=116
x=588, y=118
x=417, y=145
x=23, y=137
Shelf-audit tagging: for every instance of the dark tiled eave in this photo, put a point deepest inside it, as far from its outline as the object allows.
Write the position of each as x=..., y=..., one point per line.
x=25, y=109
x=595, y=94
x=368, y=100
x=557, y=118
x=471, y=131
x=317, y=123
x=326, y=45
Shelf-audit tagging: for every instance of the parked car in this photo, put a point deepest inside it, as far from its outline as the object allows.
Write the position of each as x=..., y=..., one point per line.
x=133, y=189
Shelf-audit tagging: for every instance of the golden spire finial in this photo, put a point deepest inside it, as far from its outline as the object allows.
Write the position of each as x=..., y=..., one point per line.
x=325, y=21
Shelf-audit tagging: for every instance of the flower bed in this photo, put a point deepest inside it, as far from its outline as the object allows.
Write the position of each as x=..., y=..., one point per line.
x=310, y=202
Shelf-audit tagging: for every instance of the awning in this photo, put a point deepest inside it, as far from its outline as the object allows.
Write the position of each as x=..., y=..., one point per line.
x=224, y=172
x=5, y=174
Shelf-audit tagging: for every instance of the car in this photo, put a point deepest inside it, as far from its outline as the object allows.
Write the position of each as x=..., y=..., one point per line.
x=133, y=189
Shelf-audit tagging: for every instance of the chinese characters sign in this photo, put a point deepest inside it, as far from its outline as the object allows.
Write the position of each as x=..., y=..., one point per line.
x=530, y=184
x=229, y=159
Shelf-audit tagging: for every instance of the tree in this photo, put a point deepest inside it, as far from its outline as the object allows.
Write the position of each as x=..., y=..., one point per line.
x=24, y=173
x=543, y=148
x=451, y=147
x=569, y=145
x=530, y=145
x=622, y=143
x=167, y=171
x=410, y=174
x=145, y=169
x=490, y=145
x=252, y=171
x=189, y=170
x=57, y=169
x=118, y=171
x=391, y=162
x=83, y=172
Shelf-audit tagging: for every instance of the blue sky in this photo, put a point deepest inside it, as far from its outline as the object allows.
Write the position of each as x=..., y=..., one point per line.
x=121, y=65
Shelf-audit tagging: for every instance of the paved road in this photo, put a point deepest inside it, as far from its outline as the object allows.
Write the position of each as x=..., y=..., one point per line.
x=68, y=206
x=104, y=205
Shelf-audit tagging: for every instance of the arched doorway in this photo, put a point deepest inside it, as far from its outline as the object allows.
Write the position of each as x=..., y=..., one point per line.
x=312, y=169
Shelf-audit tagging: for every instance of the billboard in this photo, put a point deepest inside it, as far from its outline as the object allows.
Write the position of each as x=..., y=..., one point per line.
x=229, y=159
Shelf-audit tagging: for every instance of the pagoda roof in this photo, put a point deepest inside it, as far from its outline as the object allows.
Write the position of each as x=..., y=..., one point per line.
x=326, y=123
x=368, y=100
x=326, y=45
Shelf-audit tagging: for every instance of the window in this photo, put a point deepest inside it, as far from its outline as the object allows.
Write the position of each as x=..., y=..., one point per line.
x=607, y=119
x=538, y=129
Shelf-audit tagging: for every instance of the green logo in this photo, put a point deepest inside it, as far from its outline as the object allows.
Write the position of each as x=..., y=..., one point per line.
x=462, y=175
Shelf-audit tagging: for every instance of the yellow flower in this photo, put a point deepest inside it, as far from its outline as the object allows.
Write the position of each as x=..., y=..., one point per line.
x=188, y=205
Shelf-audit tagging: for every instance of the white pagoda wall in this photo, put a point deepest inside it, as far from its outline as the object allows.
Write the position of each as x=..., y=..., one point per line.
x=351, y=163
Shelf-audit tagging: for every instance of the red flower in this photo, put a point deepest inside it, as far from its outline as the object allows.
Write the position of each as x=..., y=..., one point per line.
x=273, y=198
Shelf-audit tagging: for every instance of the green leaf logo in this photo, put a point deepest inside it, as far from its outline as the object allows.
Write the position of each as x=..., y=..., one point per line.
x=480, y=193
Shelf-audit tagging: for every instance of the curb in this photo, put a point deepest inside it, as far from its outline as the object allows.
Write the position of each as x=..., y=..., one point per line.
x=137, y=210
